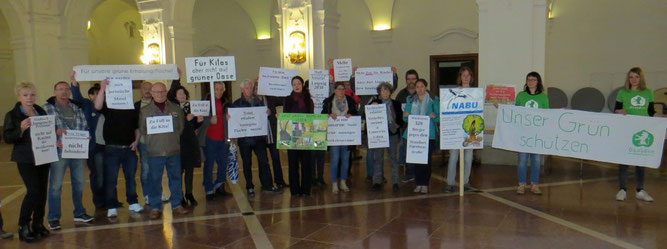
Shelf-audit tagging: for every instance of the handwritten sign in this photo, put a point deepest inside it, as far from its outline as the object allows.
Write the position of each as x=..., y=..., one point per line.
x=207, y=69
x=135, y=72
x=247, y=122
x=319, y=87
x=366, y=80
x=275, y=81
x=376, y=126
x=43, y=138
x=342, y=69
x=344, y=131
x=417, y=149
x=75, y=144
x=159, y=124
x=200, y=108
x=119, y=93
x=501, y=94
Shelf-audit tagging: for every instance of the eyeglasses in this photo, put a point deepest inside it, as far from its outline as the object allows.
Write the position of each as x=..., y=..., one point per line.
x=159, y=92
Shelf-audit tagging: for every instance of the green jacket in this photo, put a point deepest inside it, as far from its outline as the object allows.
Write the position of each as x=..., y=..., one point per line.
x=433, y=107
x=164, y=144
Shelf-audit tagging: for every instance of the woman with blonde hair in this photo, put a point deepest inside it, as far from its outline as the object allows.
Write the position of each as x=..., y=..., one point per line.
x=35, y=177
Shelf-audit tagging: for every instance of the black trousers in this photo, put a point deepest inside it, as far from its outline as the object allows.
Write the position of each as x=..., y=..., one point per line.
x=36, y=179
x=300, y=184
x=423, y=171
x=187, y=173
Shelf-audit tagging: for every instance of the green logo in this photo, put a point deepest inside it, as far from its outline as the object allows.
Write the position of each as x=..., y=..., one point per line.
x=642, y=138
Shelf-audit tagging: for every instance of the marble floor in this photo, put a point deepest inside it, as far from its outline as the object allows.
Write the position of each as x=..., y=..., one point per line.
x=576, y=210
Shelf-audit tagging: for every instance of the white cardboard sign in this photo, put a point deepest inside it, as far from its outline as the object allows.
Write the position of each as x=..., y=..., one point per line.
x=118, y=94
x=247, y=122
x=207, y=69
x=75, y=144
x=159, y=124
x=43, y=137
x=275, y=81
x=344, y=131
x=377, y=126
x=417, y=148
x=367, y=79
x=319, y=87
x=342, y=69
x=200, y=108
x=134, y=72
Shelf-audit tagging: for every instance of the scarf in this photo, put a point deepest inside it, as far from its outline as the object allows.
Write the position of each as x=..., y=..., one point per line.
x=300, y=100
x=391, y=115
x=420, y=108
x=339, y=106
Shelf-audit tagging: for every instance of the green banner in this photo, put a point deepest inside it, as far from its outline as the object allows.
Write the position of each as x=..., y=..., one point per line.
x=301, y=131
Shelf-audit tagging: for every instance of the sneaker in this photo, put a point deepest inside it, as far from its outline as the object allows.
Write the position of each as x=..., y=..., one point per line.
x=424, y=190
x=165, y=198
x=521, y=189
x=620, y=196
x=155, y=214
x=272, y=190
x=135, y=208
x=418, y=189
x=406, y=180
x=394, y=187
x=83, y=218
x=251, y=192
x=54, y=224
x=642, y=195
x=112, y=212
x=180, y=210
x=146, y=198
x=535, y=189
x=6, y=235
x=343, y=186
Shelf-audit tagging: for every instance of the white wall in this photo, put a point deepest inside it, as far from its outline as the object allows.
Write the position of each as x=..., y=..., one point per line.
x=223, y=25
x=595, y=43
x=7, y=78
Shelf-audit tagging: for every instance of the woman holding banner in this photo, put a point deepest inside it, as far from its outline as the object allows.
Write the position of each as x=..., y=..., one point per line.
x=299, y=101
x=338, y=105
x=634, y=99
x=533, y=96
x=463, y=80
x=394, y=121
x=35, y=177
x=421, y=103
x=190, y=154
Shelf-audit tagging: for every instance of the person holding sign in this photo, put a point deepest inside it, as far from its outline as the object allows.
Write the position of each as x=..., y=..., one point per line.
x=163, y=149
x=121, y=135
x=634, y=99
x=394, y=122
x=95, y=151
x=16, y=131
x=299, y=101
x=339, y=105
x=421, y=103
x=464, y=79
x=212, y=136
x=69, y=116
x=533, y=96
x=144, y=177
x=190, y=152
x=258, y=144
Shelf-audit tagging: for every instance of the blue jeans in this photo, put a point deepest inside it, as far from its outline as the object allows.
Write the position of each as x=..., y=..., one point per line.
x=145, y=169
x=215, y=152
x=96, y=168
x=77, y=175
x=173, y=165
x=378, y=159
x=339, y=154
x=116, y=158
x=534, y=167
x=452, y=166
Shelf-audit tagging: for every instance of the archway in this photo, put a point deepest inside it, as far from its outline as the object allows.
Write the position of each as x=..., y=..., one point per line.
x=113, y=33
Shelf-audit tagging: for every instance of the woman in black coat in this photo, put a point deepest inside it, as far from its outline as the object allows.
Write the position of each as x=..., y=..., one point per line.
x=190, y=154
x=299, y=101
x=35, y=177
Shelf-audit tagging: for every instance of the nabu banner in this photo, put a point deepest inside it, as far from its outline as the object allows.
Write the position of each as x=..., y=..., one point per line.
x=614, y=138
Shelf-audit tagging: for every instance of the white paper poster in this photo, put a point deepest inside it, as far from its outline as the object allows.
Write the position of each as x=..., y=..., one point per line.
x=200, y=108
x=417, y=148
x=159, y=124
x=247, y=122
x=366, y=80
x=376, y=126
x=43, y=138
x=75, y=144
x=605, y=137
x=207, y=69
x=461, y=118
x=135, y=72
x=118, y=94
x=342, y=69
x=275, y=81
x=319, y=87
x=344, y=131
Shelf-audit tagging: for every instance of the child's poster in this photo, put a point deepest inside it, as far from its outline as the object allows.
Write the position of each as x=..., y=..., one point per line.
x=301, y=131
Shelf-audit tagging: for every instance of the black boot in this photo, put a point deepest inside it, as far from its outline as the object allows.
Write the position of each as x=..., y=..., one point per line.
x=40, y=231
x=191, y=199
x=184, y=203
x=25, y=234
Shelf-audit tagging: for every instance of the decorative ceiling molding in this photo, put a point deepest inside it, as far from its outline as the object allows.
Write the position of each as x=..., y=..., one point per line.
x=460, y=31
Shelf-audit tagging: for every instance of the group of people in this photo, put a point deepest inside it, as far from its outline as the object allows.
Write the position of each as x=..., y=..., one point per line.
x=117, y=135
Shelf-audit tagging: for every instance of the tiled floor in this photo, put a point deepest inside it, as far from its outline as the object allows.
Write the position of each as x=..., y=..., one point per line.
x=575, y=211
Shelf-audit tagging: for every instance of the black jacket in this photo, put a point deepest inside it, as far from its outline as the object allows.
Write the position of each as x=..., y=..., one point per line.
x=351, y=107
x=397, y=111
x=22, y=151
x=190, y=153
